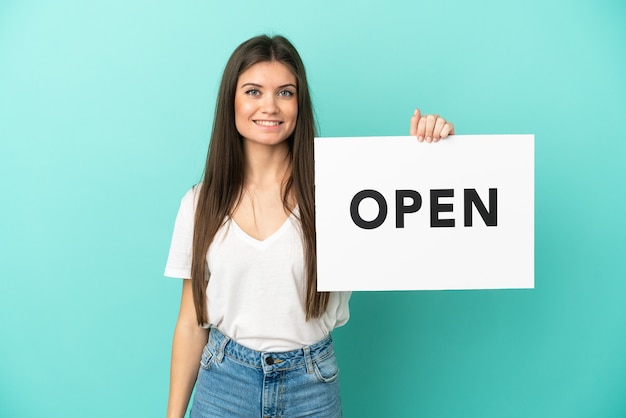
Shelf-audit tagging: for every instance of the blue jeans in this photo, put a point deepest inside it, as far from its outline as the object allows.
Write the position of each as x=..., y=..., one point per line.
x=235, y=381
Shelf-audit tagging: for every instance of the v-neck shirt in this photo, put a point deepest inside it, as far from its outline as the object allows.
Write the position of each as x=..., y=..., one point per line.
x=257, y=292
x=258, y=243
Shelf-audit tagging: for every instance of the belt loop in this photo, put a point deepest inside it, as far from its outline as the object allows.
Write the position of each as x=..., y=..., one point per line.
x=221, y=347
x=307, y=359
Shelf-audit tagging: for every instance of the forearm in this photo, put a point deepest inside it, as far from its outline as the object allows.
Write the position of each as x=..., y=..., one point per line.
x=186, y=352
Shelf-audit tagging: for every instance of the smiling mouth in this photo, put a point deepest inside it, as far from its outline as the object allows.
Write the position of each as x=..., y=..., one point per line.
x=267, y=122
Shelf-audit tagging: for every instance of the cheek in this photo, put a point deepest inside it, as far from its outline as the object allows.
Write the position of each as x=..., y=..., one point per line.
x=293, y=112
x=239, y=118
x=294, y=118
x=242, y=112
x=239, y=109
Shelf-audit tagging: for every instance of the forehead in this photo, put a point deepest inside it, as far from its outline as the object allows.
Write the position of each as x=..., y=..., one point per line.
x=272, y=73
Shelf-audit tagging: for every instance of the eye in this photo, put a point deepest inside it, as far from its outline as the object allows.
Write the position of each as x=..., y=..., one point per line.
x=286, y=93
x=253, y=92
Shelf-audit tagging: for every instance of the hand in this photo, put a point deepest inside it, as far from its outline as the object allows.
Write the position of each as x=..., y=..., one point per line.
x=430, y=128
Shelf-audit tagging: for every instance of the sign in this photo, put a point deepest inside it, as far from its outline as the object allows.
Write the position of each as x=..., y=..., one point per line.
x=396, y=214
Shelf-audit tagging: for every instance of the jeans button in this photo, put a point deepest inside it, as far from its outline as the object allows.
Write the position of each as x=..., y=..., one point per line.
x=269, y=361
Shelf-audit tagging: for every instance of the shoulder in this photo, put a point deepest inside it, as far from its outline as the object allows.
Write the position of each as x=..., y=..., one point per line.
x=192, y=194
x=188, y=203
x=190, y=199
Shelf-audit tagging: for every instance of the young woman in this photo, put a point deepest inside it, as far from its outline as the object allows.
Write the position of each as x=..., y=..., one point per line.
x=253, y=333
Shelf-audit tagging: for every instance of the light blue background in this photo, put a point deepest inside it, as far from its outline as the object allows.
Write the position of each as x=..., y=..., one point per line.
x=105, y=114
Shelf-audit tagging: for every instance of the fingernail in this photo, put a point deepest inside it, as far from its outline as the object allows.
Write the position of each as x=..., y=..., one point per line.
x=420, y=138
x=428, y=139
x=415, y=113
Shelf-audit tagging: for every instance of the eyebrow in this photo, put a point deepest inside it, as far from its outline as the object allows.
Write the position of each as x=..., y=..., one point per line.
x=258, y=85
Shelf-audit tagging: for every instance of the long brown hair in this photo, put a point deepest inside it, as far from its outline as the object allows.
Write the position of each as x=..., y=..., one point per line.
x=223, y=178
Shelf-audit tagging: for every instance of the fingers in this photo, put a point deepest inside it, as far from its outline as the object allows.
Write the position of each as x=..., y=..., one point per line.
x=414, y=121
x=431, y=123
x=430, y=128
x=448, y=129
x=439, y=124
x=421, y=128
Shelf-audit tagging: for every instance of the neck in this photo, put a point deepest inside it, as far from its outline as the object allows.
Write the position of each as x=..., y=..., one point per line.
x=266, y=165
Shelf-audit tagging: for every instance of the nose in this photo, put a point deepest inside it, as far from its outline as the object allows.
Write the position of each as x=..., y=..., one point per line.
x=269, y=104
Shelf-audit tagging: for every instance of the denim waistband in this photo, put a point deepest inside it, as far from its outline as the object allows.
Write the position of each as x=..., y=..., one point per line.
x=221, y=345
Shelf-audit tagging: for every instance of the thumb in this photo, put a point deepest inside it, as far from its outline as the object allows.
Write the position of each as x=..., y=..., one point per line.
x=414, y=121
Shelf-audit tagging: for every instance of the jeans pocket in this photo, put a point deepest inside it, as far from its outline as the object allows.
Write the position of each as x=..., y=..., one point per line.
x=326, y=369
x=207, y=358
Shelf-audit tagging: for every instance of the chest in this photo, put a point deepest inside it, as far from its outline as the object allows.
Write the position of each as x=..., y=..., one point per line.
x=235, y=256
x=261, y=212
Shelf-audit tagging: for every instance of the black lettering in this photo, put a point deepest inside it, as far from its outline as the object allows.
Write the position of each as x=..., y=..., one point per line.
x=436, y=208
x=382, y=209
x=401, y=209
x=490, y=217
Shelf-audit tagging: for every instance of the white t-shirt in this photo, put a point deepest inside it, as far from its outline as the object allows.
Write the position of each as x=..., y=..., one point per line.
x=256, y=291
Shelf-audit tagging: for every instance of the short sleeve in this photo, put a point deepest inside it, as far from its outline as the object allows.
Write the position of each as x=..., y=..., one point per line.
x=179, y=258
x=343, y=308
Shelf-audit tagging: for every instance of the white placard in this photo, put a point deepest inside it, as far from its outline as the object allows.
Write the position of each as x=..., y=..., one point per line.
x=488, y=178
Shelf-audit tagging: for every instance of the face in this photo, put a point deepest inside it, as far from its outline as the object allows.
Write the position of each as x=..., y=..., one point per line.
x=266, y=103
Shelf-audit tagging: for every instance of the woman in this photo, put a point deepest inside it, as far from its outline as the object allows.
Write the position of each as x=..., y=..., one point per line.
x=245, y=236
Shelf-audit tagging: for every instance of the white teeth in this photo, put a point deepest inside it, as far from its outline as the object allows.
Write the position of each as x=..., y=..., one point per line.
x=267, y=122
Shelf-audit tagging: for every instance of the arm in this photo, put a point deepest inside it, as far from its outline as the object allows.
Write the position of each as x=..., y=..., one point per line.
x=189, y=340
x=430, y=128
